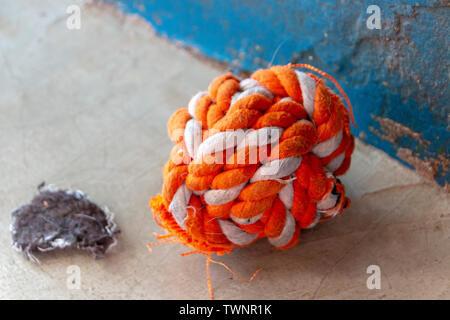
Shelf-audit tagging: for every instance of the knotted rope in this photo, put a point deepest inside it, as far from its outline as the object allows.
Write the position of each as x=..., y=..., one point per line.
x=255, y=158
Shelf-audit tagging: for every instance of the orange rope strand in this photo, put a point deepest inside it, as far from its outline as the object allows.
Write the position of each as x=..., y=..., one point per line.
x=326, y=75
x=211, y=295
x=162, y=236
x=208, y=276
x=150, y=245
x=233, y=273
x=189, y=253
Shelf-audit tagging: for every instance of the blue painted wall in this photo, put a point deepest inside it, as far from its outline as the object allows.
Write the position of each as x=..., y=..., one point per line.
x=398, y=73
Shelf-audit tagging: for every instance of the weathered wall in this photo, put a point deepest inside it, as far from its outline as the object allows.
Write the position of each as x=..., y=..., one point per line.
x=396, y=77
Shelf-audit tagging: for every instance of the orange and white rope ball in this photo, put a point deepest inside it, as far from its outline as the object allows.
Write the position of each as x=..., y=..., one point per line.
x=255, y=158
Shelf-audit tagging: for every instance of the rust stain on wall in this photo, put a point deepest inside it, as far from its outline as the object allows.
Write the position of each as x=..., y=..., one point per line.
x=392, y=130
x=428, y=167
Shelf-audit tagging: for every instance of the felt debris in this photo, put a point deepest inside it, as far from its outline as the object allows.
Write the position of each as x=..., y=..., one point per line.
x=57, y=219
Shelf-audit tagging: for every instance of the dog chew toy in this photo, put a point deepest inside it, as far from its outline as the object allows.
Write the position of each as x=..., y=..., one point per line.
x=255, y=158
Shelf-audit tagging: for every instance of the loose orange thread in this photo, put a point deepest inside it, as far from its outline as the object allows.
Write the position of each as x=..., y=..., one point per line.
x=208, y=277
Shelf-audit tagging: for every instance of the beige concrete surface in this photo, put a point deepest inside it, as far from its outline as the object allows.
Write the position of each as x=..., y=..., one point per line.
x=87, y=109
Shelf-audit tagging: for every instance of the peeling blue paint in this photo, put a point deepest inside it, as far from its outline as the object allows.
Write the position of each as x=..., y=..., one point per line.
x=399, y=72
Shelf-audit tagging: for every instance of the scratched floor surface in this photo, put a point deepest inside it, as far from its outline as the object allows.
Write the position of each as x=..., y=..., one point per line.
x=87, y=109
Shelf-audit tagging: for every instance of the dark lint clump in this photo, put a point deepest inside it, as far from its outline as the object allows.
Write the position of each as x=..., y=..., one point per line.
x=62, y=218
